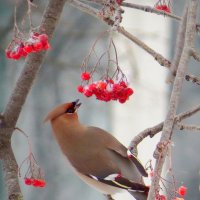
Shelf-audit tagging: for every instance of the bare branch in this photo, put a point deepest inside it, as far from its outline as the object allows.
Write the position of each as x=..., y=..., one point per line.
x=179, y=47
x=158, y=57
x=151, y=10
x=195, y=55
x=187, y=127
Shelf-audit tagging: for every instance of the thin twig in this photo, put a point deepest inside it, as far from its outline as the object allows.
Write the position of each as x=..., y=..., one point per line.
x=195, y=55
x=151, y=10
x=193, y=79
x=188, y=127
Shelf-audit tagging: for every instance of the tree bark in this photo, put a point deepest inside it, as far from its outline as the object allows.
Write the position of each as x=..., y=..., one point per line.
x=13, y=109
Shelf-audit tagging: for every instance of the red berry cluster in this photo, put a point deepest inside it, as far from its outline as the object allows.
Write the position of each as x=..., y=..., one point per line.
x=85, y=76
x=182, y=190
x=107, y=90
x=16, y=52
x=37, y=42
x=119, y=2
x=35, y=182
x=161, y=197
x=163, y=7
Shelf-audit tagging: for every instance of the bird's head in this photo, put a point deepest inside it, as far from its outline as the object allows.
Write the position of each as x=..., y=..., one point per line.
x=66, y=109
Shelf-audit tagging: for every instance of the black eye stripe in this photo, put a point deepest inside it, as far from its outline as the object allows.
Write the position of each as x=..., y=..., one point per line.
x=70, y=110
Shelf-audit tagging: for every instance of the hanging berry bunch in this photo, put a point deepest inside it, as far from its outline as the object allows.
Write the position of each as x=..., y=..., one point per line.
x=112, y=84
x=21, y=48
x=33, y=176
x=164, y=5
x=22, y=45
x=172, y=192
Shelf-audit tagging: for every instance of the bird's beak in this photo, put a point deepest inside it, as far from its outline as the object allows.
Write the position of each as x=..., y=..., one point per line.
x=76, y=104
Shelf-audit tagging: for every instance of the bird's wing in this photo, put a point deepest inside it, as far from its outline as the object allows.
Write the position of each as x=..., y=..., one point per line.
x=113, y=144
x=119, y=181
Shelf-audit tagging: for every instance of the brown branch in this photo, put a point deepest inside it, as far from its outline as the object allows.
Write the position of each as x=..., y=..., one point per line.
x=160, y=154
x=150, y=9
x=11, y=114
x=152, y=131
x=188, y=127
x=195, y=55
x=94, y=12
x=10, y=169
x=193, y=79
x=158, y=57
x=179, y=47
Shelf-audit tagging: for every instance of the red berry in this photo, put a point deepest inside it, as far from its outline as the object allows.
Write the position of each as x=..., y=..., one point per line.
x=85, y=76
x=110, y=81
x=162, y=197
x=119, y=2
x=123, y=84
x=151, y=173
x=43, y=38
x=28, y=48
x=101, y=85
x=163, y=7
x=182, y=190
x=122, y=100
x=8, y=53
x=80, y=89
x=15, y=55
x=42, y=183
x=36, y=182
x=46, y=46
x=92, y=87
x=28, y=181
x=129, y=91
x=36, y=34
x=88, y=93
x=37, y=46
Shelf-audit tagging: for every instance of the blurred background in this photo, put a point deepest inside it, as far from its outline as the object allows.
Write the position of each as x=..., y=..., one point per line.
x=57, y=82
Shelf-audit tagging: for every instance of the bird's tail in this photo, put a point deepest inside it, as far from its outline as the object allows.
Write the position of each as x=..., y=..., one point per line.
x=140, y=195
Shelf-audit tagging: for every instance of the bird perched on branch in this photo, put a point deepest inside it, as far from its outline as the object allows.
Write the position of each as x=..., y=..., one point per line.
x=98, y=158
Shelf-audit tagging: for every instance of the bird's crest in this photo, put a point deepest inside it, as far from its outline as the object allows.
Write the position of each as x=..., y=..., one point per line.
x=56, y=112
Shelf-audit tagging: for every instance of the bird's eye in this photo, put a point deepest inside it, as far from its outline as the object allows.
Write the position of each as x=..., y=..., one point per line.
x=70, y=110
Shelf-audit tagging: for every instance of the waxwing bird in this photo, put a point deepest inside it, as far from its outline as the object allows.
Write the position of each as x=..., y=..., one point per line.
x=97, y=157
